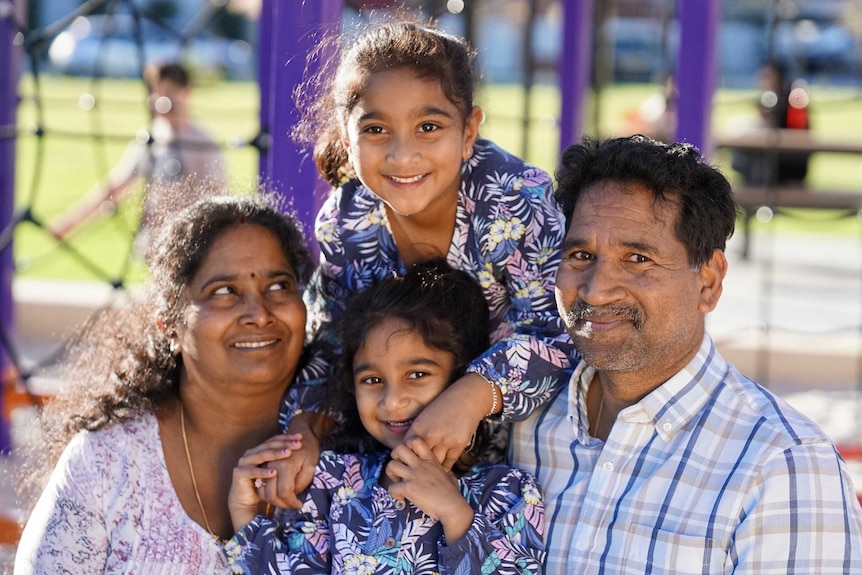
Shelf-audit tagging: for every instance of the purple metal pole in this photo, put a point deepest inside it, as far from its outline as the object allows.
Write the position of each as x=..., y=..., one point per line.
x=10, y=61
x=289, y=30
x=696, y=70
x=574, y=68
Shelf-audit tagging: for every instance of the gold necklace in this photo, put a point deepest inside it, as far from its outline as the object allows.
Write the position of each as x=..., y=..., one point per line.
x=192, y=473
x=595, y=425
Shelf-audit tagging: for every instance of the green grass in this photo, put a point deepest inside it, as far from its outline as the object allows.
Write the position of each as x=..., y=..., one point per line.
x=71, y=165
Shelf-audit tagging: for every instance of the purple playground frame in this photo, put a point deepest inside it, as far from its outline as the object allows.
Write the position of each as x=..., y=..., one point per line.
x=289, y=30
x=11, y=57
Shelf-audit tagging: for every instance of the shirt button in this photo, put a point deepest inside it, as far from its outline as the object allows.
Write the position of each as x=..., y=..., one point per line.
x=389, y=543
x=608, y=466
x=581, y=545
x=667, y=426
x=400, y=504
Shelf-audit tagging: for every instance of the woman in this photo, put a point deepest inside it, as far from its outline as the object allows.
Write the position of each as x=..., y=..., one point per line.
x=169, y=390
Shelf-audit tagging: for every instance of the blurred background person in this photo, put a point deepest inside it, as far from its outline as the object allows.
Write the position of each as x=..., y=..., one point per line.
x=783, y=105
x=176, y=158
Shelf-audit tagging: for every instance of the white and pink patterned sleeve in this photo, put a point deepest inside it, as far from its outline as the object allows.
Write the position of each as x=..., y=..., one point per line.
x=66, y=531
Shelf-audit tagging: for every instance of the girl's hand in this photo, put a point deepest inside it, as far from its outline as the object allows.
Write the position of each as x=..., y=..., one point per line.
x=470, y=398
x=250, y=477
x=419, y=478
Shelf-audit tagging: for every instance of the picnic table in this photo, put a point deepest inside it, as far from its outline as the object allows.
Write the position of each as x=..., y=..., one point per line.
x=794, y=195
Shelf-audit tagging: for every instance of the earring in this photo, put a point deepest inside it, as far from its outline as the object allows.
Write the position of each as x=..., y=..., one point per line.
x=173, y=345
x=469, y=151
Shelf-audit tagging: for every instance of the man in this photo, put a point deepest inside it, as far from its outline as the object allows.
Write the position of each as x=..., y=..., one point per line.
x=660, y=457
x=179, y=159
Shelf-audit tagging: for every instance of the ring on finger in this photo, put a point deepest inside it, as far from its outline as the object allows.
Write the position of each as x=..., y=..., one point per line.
x=258, y=482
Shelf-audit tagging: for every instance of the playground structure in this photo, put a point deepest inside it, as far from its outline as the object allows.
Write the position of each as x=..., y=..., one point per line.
x=287, y=32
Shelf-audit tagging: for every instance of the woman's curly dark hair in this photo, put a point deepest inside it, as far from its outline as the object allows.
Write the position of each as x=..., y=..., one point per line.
x=119, y=363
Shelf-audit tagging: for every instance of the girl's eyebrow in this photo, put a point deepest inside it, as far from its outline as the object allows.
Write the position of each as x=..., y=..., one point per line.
x=426, y=111
x=415, y=361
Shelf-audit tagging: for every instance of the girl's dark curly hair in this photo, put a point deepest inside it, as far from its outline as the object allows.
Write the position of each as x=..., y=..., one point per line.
x=386, y=42
x=119, y=363
x=445, y=306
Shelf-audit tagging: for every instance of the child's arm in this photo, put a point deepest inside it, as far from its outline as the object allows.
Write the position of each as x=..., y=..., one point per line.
x=420, y=479
x=502, y=526
x=251, y=481
x=533, y=355
x=507, y=534
x=306, y=407
x=292, y=541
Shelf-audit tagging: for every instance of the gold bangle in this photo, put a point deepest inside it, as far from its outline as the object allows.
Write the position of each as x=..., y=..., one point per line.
x=494, y=394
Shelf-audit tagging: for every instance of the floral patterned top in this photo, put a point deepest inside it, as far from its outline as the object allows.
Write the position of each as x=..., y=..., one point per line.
x=350, y=524
x=110, y=507
x=508, y=234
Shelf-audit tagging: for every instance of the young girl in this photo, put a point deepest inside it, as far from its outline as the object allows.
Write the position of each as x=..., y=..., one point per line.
x=413, y=181
x=406, y=339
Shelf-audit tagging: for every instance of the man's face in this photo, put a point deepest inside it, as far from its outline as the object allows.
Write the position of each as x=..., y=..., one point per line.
x=625, y=290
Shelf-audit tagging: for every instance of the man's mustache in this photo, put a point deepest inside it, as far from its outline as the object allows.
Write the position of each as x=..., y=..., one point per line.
x=582, y=311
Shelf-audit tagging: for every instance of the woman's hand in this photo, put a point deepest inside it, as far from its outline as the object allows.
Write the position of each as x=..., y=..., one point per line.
x=419, y=478
x=296, y=472
x=469, y=399
x=250, y=476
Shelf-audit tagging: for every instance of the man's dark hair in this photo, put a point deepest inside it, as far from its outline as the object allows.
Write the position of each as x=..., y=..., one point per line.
x=674, y=173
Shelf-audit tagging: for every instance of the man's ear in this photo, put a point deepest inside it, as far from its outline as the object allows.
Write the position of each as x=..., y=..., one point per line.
x=711, y=277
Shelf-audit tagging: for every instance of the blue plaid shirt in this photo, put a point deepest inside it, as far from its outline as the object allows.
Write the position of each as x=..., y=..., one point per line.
x=709, y=473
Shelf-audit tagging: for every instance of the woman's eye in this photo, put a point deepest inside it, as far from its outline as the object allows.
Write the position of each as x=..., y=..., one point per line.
x=281, y=286
x=223, y=290
x=428, y=127
x=371, y=380
x=373, y=130
x=417, y=375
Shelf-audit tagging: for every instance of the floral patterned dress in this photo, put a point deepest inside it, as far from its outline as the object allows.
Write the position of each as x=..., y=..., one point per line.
x=508, y=234
x=350, y=524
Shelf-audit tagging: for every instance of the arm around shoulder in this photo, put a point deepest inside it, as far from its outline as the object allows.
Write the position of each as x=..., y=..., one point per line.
x=507, y=530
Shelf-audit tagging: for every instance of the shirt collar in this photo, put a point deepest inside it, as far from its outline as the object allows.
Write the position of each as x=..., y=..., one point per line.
x=670, y=407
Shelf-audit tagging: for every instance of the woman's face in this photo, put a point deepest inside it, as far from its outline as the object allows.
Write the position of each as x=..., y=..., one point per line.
x=245, y=320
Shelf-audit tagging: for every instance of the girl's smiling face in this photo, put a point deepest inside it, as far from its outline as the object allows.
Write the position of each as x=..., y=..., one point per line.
x=406, y=142
x=396, y=374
